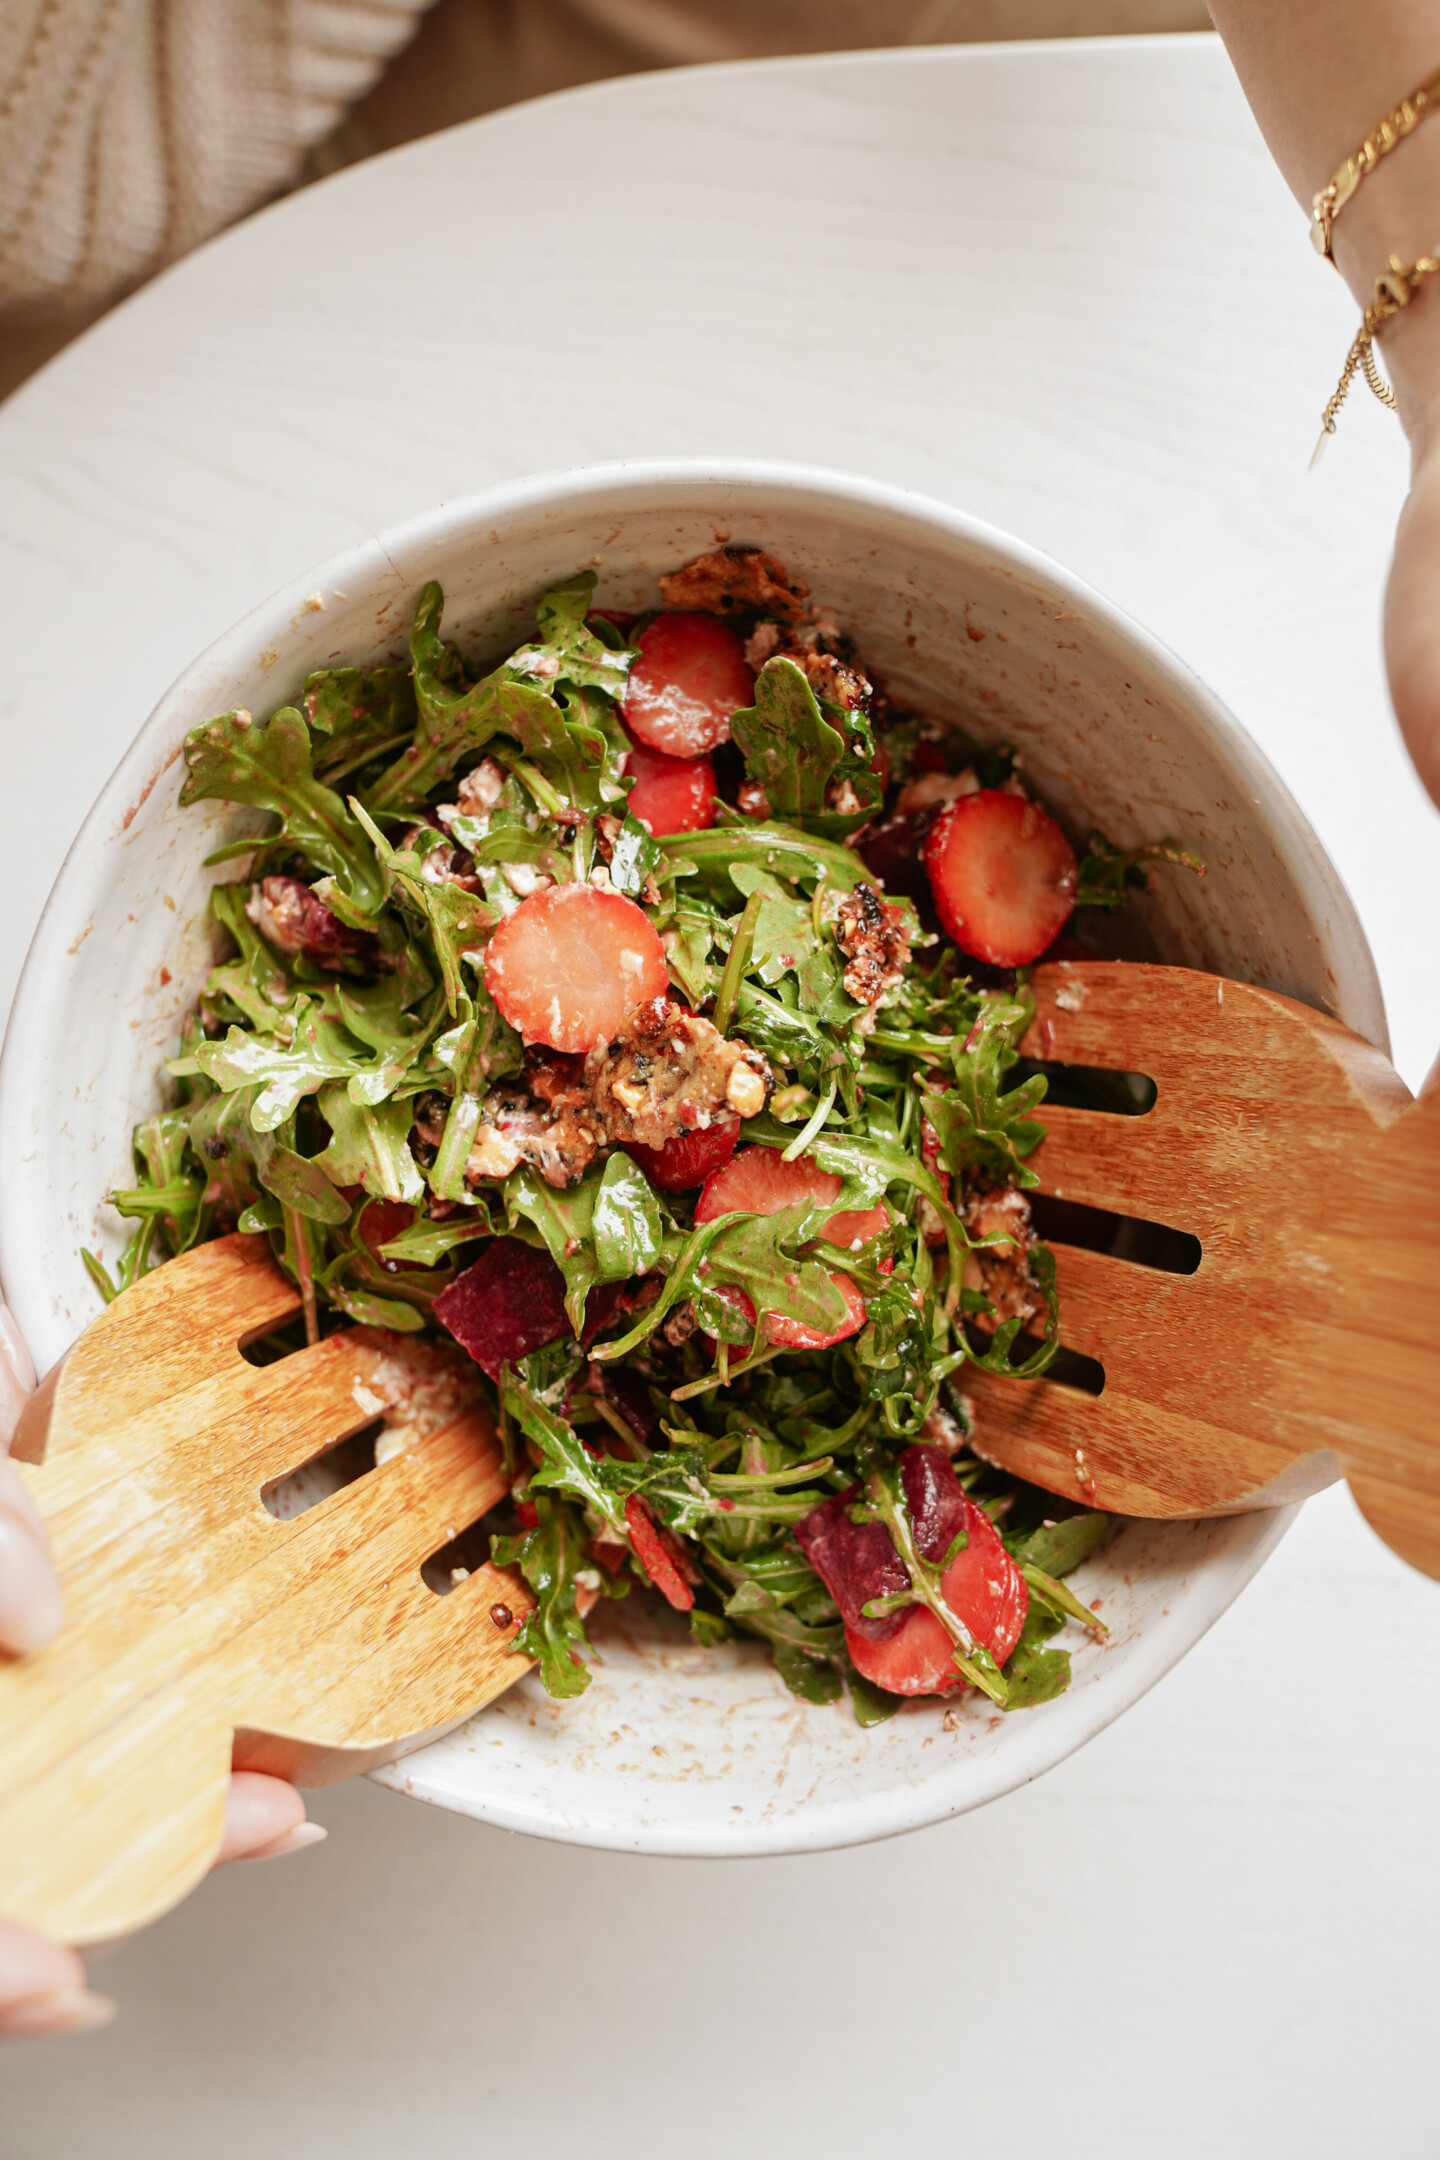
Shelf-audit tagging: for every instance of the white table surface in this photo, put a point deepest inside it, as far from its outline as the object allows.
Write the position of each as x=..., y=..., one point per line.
x=1062, y=287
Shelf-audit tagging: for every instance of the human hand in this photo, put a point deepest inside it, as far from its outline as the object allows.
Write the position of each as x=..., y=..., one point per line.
x=42, y=1984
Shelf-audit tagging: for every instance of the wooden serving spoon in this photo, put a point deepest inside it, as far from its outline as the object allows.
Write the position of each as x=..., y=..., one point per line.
x=200, y=1630
x=1306, y=1344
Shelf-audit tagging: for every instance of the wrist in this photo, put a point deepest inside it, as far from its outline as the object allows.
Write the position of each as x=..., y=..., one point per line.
x=1396, y=211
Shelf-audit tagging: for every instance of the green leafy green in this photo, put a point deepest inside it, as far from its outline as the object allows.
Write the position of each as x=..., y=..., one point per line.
x=233, y=758
x=550, y=1557
x=795, y=753
x=626, y=1225
x=1107, y=874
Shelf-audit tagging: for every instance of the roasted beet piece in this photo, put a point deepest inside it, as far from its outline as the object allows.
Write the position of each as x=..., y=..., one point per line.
x=938, y=1508
x=895, y=851
x=856, y=1562
x=292, y=916
x=512, y=1301
x=627, y=1393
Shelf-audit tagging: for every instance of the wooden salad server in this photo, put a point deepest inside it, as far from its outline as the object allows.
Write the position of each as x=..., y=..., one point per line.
x=200, y=1630
x=1306, y=1345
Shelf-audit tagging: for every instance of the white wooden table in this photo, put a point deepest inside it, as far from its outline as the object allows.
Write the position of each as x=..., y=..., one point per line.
x=1062, y=287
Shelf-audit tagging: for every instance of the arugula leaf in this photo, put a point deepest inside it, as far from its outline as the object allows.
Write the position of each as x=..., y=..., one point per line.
x=793, y=752
x=565, y=1221
x=240, y=1158
x=255, y=982
x=786, y=940
x=369, y=1147
x=585, y=660
x=872, y=1705
x=363, y=711
x=626, y=1225
x=976, y=1124
x=1060, y=1547
x=802, y=857
x=1108, y=874
x=633, y=859
x=814, y=1680
x=1032, y=1673
x=567, y=1465
x=757, y=1255
x=235, y=760
x=452, y=724
x=549, y=1557
x=319, y=1049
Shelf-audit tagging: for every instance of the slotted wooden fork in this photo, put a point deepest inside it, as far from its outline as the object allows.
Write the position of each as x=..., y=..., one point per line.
x=1306, y=1345
x=199, y=1628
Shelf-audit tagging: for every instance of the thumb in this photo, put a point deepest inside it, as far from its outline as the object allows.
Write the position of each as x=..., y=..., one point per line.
x=1412, y=622
x=32, y=1610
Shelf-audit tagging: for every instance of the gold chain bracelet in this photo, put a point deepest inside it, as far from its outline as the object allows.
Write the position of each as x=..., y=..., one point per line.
x=1395, y=288
x=1378, y=144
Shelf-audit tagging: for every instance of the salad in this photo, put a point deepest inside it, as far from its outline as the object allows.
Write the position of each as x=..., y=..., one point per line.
x=639, y=1019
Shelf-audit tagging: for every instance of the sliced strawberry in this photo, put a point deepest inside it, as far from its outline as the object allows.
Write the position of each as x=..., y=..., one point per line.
x=687, y=1160
x=789, y=1334
x=1003, y=876
x=908, y=1652
x=758, y=1181
x=650, y=1550
x=571, y=965
x=381, y=1221
x=670, y=794
x=689, y=678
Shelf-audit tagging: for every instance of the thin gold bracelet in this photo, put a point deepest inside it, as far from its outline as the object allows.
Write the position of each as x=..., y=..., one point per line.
x=1395, y=288
x=1378, y=144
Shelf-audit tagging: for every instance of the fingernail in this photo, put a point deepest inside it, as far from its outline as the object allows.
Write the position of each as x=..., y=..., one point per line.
x=61, y=2010
x=32, y=1609
x=305, y=1833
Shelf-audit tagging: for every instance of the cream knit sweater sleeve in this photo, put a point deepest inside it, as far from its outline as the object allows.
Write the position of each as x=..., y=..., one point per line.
x=131, y=129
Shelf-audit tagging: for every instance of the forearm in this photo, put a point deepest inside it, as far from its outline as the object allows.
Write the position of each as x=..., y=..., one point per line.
x=1319, y=75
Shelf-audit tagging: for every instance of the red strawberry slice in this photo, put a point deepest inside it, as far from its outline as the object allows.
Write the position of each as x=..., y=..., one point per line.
x=687, y=1160
x=908, y=1652
x=572, y=964
x=1003, y=876
x=381, y=1221
x=789, y=1334
x=758, y=1181
x=651, y=1550
x=670, y=794
x=689, y=678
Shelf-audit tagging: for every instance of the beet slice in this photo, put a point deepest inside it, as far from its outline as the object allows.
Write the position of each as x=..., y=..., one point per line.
x=939, y=1510
x=512, y=1301
x=856, y=1562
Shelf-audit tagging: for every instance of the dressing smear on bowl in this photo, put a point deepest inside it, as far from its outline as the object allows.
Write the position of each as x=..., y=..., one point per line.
x=639, y=1020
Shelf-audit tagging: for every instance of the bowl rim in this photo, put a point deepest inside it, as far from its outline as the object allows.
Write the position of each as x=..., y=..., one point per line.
x=80, y=885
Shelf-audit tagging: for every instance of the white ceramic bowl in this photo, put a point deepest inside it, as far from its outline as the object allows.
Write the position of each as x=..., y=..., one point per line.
x=673, y=1750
